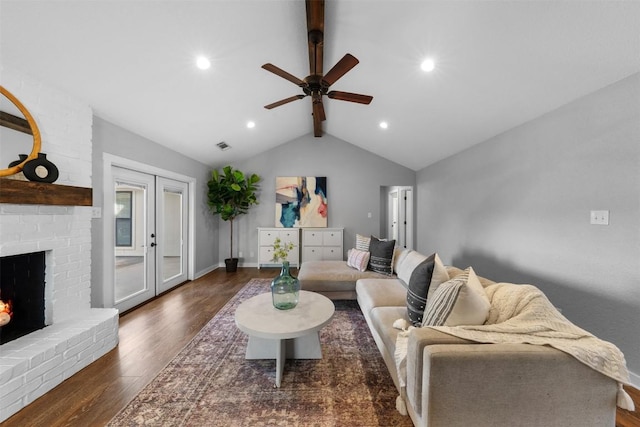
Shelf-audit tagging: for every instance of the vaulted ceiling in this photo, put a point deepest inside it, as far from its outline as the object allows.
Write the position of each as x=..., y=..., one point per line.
x=498, y=64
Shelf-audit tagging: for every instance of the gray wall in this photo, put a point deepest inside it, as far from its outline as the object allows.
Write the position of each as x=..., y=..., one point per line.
x=109, y=138
x=354, y=177
x=516, y=208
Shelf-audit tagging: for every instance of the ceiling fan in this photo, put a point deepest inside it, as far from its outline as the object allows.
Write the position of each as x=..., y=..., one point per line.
x=316, y=84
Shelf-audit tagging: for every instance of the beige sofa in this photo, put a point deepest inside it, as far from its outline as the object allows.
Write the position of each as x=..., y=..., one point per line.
x=455, y=382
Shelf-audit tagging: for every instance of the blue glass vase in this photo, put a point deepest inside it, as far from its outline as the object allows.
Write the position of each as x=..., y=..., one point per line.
x=285, y=289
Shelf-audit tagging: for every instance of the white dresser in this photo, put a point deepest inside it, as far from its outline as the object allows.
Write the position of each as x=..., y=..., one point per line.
x=322, y=244
x=266, y=237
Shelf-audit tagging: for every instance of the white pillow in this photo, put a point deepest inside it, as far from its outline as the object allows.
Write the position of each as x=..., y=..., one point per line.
x=459, y=301
x=358, y=259
x=362, y=242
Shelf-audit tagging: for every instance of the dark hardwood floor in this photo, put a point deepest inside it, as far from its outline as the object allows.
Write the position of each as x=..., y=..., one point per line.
x=150, y=336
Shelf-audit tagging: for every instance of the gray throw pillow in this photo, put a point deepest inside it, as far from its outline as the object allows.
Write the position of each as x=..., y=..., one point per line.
x=417, y=289
x=381, y=257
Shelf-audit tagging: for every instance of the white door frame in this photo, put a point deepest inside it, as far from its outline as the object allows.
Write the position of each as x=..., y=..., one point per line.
x=108, y=161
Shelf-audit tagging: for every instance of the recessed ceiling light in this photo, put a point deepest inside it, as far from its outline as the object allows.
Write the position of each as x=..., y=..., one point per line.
x=384, y=125
x=428, y=65
x=251, y=124
x=203, y=63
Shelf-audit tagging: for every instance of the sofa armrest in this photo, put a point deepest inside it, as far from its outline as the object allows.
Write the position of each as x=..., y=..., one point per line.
x=419, y=338
x=507, y=384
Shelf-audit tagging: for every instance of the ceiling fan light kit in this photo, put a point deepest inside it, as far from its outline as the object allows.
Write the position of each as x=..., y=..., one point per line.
x=316, y=84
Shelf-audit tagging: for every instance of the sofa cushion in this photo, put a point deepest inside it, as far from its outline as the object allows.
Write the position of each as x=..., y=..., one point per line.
x=379, y=293
x=331, y=276
x=399, y=256
x=381, y=258
x=420, y=273
x=382, y=319
x=459, y=301
x=358, y=259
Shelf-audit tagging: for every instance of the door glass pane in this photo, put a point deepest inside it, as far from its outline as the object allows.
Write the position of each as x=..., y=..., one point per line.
x=172, y=235
x=130, y=251
x=124, y=227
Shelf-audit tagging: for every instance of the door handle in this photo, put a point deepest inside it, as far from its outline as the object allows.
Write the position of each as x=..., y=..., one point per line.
x=153, y=244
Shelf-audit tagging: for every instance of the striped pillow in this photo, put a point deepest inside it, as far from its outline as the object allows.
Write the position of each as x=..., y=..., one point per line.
x=459, y=301
x=362, y=242
x=358, y=259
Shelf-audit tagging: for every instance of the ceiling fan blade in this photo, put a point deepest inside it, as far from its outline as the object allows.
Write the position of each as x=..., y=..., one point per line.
x=318, y=117
x=284, y=101
x=315, y=35
x=340, y=69
x=351, y=97
x=282, y=73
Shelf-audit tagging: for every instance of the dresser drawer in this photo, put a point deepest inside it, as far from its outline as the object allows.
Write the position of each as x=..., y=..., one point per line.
x=332, y=253
x=267, y=237
x=289, y=236
x=312, y=238
x=312, y=253
x=332, y=238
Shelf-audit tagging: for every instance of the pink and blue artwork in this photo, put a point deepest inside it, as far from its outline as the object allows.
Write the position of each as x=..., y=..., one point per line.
x=301, y=201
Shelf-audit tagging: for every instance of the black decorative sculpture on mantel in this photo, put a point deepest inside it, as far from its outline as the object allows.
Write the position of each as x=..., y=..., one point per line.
x=35, y=166
x=39, y=169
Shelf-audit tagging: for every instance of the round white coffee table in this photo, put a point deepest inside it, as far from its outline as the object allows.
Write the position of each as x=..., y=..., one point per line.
x=284, y=334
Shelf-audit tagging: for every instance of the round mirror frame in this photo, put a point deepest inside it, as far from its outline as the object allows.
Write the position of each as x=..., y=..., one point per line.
x=37, y=141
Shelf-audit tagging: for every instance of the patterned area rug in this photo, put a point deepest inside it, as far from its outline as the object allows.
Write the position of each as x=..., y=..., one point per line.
x=209, y=383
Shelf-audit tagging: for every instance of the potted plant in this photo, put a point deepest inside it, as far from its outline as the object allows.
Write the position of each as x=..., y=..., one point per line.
x=231, y=193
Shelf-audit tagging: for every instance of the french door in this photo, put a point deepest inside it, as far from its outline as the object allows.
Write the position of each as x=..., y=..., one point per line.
x=150, y=224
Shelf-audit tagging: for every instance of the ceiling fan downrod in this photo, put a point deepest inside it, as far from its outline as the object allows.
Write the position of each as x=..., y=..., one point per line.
x=316, y=37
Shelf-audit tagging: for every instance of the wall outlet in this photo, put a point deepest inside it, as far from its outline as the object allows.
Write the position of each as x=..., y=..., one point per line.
x=251, y=254
x=96, y=212
x=600, y=217
x=240, y=254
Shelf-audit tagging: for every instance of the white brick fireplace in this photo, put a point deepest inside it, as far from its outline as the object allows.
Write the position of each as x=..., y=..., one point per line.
x=77, y=334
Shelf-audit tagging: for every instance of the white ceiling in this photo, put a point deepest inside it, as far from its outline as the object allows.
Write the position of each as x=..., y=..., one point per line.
x=499, y=64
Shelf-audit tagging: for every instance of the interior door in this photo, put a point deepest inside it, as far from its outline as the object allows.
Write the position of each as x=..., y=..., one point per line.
x=134, y=225
x=171, y=239
x=393, y=215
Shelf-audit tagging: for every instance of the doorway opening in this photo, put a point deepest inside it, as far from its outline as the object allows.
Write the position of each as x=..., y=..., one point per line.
x=398, y=223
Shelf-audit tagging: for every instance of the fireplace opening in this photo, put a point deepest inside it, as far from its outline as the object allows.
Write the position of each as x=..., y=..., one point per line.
x=22, y=290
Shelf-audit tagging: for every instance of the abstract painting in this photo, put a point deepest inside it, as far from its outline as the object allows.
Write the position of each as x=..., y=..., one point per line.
x=301, y=201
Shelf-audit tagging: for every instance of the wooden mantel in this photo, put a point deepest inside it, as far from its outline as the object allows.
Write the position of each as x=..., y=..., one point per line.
x=40, y=193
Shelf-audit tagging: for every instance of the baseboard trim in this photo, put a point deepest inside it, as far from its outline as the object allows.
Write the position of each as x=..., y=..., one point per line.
x=206, y=271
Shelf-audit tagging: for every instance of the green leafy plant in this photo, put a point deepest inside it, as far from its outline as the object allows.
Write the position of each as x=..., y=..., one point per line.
x=281, y=250
x=231, y=193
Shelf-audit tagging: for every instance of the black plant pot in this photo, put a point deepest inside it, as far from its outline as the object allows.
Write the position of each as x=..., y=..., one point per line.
x=231, y=264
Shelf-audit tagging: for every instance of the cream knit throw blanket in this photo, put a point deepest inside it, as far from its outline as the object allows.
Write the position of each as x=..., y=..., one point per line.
x=522, y=314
